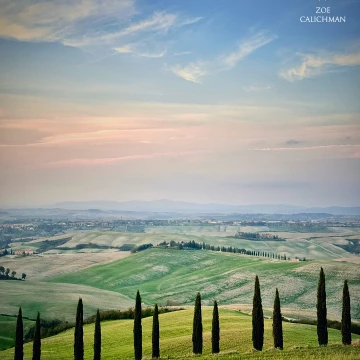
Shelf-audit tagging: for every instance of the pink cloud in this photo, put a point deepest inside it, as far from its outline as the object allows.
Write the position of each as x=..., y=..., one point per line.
x=348, y=146
x=108, y=161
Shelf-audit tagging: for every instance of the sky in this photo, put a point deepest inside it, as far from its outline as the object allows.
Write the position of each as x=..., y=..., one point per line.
x=231, y=101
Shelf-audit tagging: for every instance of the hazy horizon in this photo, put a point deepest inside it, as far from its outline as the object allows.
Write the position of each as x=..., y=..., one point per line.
x=198, y=101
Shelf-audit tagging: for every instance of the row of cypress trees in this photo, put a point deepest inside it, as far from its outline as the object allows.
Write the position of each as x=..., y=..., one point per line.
x=197, y=335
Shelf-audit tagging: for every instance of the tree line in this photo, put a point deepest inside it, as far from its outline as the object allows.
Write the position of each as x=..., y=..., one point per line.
x=197, y=333
x=5, y=274
x=192, y=245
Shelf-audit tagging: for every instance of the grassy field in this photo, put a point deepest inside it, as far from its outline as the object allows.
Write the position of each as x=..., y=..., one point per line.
x=174, y=276
x=57, y=301
x=300, y=341
x=315, y=246
x=7, y=330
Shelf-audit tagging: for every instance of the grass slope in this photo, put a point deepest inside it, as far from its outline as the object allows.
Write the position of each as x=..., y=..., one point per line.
x=164, y=275
x=300, y=341
x=7, y=330
x=320, y=246
x=56, y=301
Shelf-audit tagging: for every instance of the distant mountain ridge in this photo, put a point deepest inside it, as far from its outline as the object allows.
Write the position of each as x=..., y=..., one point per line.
x=168, y=206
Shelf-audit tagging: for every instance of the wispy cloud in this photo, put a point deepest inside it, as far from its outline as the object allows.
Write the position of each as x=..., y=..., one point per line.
x=57, y=21
x=315, y=65
x=112, y=160
x=306, y=148
x=195, y=71
x=255, y=88
x=293, y=142
x=248, y=46
x=192, y=72
x=85, y=24
x=136, y=49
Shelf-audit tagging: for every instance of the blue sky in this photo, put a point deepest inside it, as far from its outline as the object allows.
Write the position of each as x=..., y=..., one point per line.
x=205, y=101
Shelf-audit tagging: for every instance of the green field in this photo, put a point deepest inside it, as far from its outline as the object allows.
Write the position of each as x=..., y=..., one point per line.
x=109, y=279
x=314, y=246
x=300, y=341
x=7, y=330
x=174, y=276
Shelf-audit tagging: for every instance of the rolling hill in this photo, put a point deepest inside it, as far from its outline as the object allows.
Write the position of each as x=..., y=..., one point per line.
x=300, y=341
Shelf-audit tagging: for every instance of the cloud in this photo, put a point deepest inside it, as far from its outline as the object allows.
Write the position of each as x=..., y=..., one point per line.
x=254, y=88
x=293, y=142
x=57, y=20
x=192, y=72
x=195, y=71
x=248, y=46
x=306, y=148
x=136, y=49
x=316, y=65
x=100, y=25
x=276, y=184
x=109, y=161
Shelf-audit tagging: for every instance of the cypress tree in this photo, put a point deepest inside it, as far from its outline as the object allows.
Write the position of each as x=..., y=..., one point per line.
x=37, y=340
x=197, y=335
x=257, y=318
x=19, y=335
x=322, y=331
x=97, y=337
x=277, y=323
x=215, y=331
x=79, y=332
x=346, y=316
x=137, y=328
x=156, y=334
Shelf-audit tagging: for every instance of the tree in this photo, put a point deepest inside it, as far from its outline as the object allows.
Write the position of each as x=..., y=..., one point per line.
x=79, y=333
x=137, y=328
x=2, y=270
x=197, y=335
x=19, y=336
x=97, y=337
x=7, y=272
x=156, y=334
x=13, y=273
x=257, y=318
x=346, y=316
x=321, y=311
x=215, y=330
x=37, y=340
x=277, y=323
x=23, y=276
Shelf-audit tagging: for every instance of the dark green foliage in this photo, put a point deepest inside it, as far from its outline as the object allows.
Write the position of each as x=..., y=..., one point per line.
x=257, y=318
x=79, y=333
x=97, y=337
x=258, y=237
x=331, y=324
x=141, y=248
x=137, y=328
x=346, y=316
x=277, y=323
x=126, y=314
x=19, y=335
x=322, y=331
x=215, y=330
x=37, y=340
x=156, y=334
x=197, y=335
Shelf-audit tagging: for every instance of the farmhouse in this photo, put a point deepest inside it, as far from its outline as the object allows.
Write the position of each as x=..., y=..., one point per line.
x=26, y=252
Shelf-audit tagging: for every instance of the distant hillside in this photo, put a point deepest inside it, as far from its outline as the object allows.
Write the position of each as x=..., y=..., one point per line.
x=165, y=206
